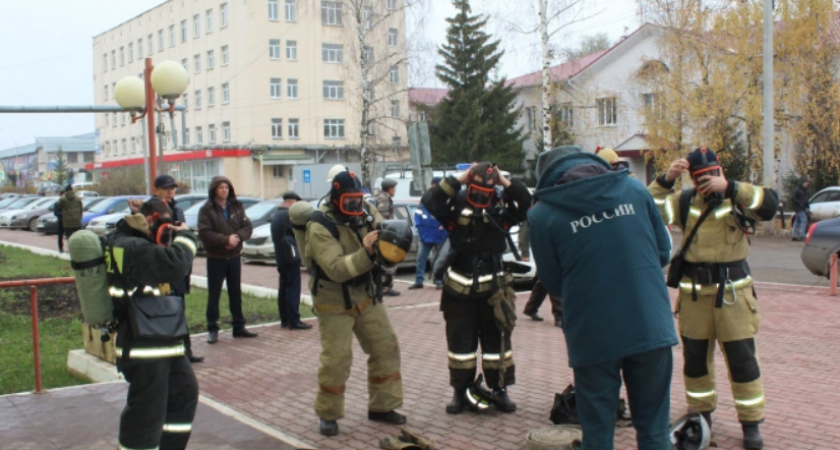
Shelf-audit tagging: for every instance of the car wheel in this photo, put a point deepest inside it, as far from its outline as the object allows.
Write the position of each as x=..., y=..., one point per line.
x=33, y=224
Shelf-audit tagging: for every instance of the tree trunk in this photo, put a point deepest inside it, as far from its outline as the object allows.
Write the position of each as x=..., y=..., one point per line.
x=546, y=80
x=363, y=129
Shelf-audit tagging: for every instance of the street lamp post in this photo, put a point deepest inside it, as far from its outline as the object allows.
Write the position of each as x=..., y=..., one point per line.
x=169, y=80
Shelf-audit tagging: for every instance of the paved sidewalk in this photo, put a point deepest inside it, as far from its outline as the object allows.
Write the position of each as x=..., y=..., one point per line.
x=273, y=378
x=87, y=418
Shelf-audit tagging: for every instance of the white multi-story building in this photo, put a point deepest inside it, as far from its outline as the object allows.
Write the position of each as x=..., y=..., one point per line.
x=280, y=78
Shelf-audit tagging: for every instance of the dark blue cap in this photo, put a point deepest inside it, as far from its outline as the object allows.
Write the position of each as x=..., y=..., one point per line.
x=165, y=181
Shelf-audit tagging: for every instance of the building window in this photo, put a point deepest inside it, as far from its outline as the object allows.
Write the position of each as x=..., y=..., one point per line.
x=291, y=50
x=199, y=136
x=334, y=128
x=392, y=37
x=171, y=36
x=105, y=92
x=331, y=13
x=566, y=115
x=607, y=111
x=211, y=59
x=332, y=53
x=186, y=136
x=106, y=119
x=130, y=52
x=225, y=93
x=277, y=128
x=212, y=131
x=274, y=48
x=184, y=63
x=114, y=122
x=211, y=96
x=140, y=48
x=394, y=75
x=113, y=59
x=367, y=54
x=224, y=12
x=124, y=147
x=392, y=5
x=653, y=106
x=333, y=90
x=122, y=119
x=225, y=55
x=290, y=11
x=273, y=10
x=294, y=127
x=277, y=171
x=105, y=62
x=275, y=87
x=396, y=144
x=198, y=99
x=196, y=26
x=107, y=146
x=160, y=40
x=197, y=60
x=395, y=109
x=183, y=31
x=122, y=56
x=151, y=44
x=367, y=17
x=133, y=146
x=87, y=157
x=292, y=88
x=186, y=99
x=226, y=131
x=209, y=21
x=73, y=158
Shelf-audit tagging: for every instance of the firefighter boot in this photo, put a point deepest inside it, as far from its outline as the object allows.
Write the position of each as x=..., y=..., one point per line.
x=505, y=404
x=458, y=403
x=752, y=437
x=391, y=417
x=329, y=427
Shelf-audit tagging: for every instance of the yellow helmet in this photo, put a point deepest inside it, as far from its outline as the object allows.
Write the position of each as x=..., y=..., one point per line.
x=609, y=155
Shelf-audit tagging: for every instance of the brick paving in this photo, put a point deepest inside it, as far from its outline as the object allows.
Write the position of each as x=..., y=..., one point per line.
x=273, y=378
x=87, y=418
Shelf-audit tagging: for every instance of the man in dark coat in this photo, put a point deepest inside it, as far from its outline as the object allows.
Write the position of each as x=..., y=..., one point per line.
x=800, y=207
x=287, y=257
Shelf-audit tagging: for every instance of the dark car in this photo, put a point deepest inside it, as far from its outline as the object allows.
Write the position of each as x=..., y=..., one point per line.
x=27, y=218
x=186, y=201
x=48, y=223
x=823, y=241
x=19, y=202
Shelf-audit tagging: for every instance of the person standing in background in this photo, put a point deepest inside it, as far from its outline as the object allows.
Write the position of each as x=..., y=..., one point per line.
x=71, y=212
x=432, y=236
x=57, y=213
x=287, y=257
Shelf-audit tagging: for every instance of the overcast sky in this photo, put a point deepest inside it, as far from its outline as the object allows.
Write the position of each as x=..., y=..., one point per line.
x=47, y=52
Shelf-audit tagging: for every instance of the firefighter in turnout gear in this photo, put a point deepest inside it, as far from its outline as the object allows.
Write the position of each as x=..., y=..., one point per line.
x=144, y=256
x=716, y=299
x=478, y=218
x=340, y=239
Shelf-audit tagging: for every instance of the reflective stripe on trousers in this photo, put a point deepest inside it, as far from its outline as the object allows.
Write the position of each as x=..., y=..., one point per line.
x=158, y=352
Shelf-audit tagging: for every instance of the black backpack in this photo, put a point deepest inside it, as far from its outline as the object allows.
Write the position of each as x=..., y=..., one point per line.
x=564, y=410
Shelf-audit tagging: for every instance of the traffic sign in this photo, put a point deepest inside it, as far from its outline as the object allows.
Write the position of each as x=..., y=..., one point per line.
x=307, y=176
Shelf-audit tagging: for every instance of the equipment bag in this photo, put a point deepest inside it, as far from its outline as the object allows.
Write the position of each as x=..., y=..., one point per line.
x=154, y=317
x=88, y=262
x=564, y=410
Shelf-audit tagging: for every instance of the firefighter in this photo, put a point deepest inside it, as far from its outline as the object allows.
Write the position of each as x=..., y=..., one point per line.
x=716, y=299
x=144, y=256
x=341, y=243
x=478, y=218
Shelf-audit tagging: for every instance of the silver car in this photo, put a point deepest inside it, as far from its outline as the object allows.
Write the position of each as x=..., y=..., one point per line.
x=823, y=241
x=107, y=223
x=825, y=204
x=27, y=217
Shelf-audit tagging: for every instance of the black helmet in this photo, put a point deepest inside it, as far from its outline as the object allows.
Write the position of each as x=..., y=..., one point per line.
x=346, y=194
x=691, y=432
x=388, y=183
x=703, y=161
x=394, y=242
x=480, y=398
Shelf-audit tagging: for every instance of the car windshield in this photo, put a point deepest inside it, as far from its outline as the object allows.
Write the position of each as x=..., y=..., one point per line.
x=45, y=203
x=193, y=210
x=90, y=202
x=7, y=201
x=260, y=210
x=101, y=207
x=21, y=202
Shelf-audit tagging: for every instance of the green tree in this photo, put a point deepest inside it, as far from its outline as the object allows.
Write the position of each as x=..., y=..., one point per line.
x=588, y=45
x=477, y=120
x=61, y=171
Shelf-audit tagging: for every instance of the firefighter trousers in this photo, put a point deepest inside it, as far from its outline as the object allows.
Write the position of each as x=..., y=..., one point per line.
x=378, y=340
x=734, y=325
x=470, y=321
x=162, y=398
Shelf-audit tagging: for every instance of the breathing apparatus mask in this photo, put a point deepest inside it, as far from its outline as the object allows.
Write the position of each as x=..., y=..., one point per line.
x=703, y=162
x=346, y=195
x=162, y=230
x=480, y=192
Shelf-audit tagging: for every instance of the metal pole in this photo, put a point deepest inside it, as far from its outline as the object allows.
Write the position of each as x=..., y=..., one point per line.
x=146, y=164
x=36, y=341
x=768, y=135
x=832, y=274
x=150, y=122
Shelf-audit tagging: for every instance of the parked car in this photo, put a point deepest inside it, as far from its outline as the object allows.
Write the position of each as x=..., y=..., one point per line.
x=110, y=205
x=18, y=203
x=823, y=240
x=48, y=223
x=825, y=204
x=27, y=218
x=6, y=195
x=107, y=223
x=49, y=188
x=8, y=199
x=85, y=194
x=186, y=201
x=261, y=213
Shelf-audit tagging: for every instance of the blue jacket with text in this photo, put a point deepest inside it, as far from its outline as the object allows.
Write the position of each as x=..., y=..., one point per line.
x=600, y=244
